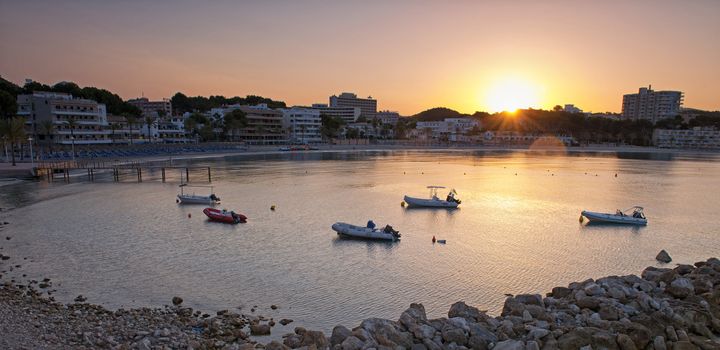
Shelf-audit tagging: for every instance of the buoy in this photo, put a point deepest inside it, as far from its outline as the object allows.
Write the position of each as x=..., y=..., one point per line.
x=177, y=201
x=403, y=173
x=581, y=218
x=515, y=174
x=464, y=173
x=272, y=207
x=402, y=204
x=615, y=174
x=423, y=173
x=433, y=240
x=189, y=215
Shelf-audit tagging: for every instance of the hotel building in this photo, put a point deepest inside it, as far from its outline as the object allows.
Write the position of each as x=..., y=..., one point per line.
x=89, y=117
x=651, y=105
x=368, y=106
x=302, y=124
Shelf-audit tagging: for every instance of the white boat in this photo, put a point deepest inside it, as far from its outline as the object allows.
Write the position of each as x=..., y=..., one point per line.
x=387, y=234
x=434, y=202
x=630, y=216
x=192, y=198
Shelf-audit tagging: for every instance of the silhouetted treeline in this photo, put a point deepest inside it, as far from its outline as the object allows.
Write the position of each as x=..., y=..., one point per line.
x=113, y=102
x=182, y=103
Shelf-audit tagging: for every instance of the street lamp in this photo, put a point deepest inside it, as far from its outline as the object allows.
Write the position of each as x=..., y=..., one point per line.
x=32, y=159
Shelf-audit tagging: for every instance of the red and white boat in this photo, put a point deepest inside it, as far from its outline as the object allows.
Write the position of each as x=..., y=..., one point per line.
x=228, y=217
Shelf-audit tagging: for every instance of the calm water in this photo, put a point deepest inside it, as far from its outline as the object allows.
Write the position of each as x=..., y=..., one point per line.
x=130, y=244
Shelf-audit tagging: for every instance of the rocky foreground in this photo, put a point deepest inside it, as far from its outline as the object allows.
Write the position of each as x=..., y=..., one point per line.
x=665, y=308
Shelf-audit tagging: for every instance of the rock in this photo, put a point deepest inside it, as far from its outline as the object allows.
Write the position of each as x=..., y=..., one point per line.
x=273, y=306
x=532, y=345
x=315, y=338
x=670, y=332
x=259, y=329
x=684, y=345
x=454, y=335
x=604, y=340
x=625, y=342
x=177, y=300
x=339, y=334
x=591, y=303
x=285, y=321
x=80, y=299
x=275, y=345
x=293, y=341
x=413, y=316
x=639, y=334
x=389, y=330
x=418, y=347
x=561, y=292
x=526, y=316
x=592, y=289
x=609, y=313
x=460, y=309
x=659, y=343
x=574, y=339
x=538, y=333
x=681, y=288
x=663, y=257
x=477, y=343
x=352, y=343
x=509, y=345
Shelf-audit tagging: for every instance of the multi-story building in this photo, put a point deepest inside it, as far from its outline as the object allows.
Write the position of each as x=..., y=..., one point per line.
x=74, y=120
x=152, y=108
x=122, y=132
x=387, y=117
x=570, y=108
x=699, y=138
x=264, y=125
x=346, y=114
x=368, y=106
x=651, y=105
x=302, y=124
x=448, y=129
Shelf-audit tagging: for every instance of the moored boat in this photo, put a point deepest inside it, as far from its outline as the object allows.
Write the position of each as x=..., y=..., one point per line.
x=224, y=216
x=434, y=202
x=192, y=198
x=630, y=216
x=352, y=231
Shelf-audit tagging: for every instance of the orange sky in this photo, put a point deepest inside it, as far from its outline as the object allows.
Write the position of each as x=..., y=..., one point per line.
x=410, y=55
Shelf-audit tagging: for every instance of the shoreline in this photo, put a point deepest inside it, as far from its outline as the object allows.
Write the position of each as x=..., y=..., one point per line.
x=23, y=168
x=663, y=308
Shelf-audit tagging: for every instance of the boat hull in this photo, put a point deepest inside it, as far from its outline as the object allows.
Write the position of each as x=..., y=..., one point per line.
x=197, y=200
x=224, y=216
x=359, y=232
x=414, y=202
x=607, y=218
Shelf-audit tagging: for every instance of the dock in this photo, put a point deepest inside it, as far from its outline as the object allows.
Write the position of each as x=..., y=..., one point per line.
x=52, y=171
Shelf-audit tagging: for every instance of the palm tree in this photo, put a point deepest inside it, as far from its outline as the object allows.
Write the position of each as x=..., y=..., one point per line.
x=13, y=130
x=71, y=123
x=131, y=119
x=148, y=122
x=113, y=127
x=47, y=128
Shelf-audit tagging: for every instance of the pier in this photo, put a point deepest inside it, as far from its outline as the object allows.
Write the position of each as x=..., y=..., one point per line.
x=51, y=171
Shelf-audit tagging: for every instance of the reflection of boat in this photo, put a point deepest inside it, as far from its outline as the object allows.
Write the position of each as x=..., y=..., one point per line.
x=434, y=202
x=192, y=198
x=637, y=217
x=228, y=217
x=353, y=231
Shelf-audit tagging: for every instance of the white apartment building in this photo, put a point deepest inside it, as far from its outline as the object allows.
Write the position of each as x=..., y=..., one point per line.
x=387, y=117
x=448, y=129
x=302, y=124
x=698, y=138
x=368, y=106
x=346, y=114
x=651, y=105
x=88, y=116
x=152, y=108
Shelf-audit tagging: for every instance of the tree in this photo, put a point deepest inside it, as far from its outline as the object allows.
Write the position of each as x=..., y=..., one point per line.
x=233, y=121
x=330, y=126
x=47, y=129
x=148, y=122
x=113, y=127
x=8, y=104
x=131, y=120
x=13, y=131
x=71, y=123
x=557, y=108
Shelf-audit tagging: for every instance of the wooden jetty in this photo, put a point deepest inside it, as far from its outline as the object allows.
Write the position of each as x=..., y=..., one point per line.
x=50, y=170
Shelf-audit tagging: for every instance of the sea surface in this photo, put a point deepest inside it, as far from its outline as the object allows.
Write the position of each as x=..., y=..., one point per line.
x=130, y=244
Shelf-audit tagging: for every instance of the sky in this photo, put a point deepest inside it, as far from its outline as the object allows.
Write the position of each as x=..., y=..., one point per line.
x=409, y=55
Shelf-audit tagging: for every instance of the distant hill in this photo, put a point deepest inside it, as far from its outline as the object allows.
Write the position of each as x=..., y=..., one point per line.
x=438, y=113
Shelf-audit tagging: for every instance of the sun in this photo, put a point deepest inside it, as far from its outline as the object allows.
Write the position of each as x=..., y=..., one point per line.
x=511, y=94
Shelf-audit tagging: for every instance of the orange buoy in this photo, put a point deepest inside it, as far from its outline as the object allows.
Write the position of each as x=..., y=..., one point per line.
x=433, y=240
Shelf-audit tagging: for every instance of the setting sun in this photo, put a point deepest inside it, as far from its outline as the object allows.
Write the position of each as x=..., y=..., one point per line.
x=512, y=94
